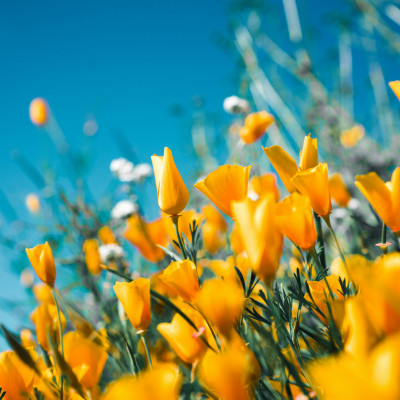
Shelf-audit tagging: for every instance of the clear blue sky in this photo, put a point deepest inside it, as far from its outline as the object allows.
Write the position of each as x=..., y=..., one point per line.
x=124, y=61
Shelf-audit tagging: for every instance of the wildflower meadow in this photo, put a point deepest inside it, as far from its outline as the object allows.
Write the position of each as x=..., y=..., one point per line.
x=272, y=269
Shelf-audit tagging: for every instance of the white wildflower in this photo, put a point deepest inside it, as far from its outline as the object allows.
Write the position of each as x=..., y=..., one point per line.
x=123, y=209
x=142, y=171
x=236, y=105
x=110, y=251
x=354, y=204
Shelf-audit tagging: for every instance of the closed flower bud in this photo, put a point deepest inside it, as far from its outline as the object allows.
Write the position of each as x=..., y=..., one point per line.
x=32, y=203
x=135, y=298
x=172, y=193
x=92, y=256
x=106, y=235
x=225, y=185
x=338, y=190
x=42, y=262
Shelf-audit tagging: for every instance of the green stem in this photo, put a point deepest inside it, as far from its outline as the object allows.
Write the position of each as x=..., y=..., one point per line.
x=53, y=292
x=321, y=243
x=328, y=223
x=147, y=349
x=319, y=266
x=175, y=219
x=383, y=238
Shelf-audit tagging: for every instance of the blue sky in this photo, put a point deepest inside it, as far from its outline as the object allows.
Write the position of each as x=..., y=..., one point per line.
x=125, y=62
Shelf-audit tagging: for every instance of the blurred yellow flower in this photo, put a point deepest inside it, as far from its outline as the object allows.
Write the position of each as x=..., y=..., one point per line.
x=182, y=277
x=255, y=125
x=41, y=258
x=229, y=374
x=264, y=184
x=106, y=235
x=225, y=185
x=46, y=322
x=146, y=236
x=32, y=203
x=222, y=304
x=172, y=193
x=92, y=256
x=350, y=137
x=185, y=220
x=39, y=111
x=338, y=190
x=256, y=222
x=43, y=293
x=395, y=86
x=84, y=355
x=383, y=197
x=183, y=339
x=135, y=299
x=160, y=383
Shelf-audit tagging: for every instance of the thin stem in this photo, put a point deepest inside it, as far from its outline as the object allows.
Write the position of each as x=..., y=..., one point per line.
x=319, y=266
x=53, y=292
x=175, y=219
x=383, y=239
x=146, y=347
x=328, y=223
x=321, y=244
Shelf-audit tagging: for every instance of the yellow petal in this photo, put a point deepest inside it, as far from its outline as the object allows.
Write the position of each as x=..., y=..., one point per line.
x=314, y=184
x=338, y=190
x=378, y=195
x=395, y=86
x=284, y=165
x=309, y=154
x=226, y=184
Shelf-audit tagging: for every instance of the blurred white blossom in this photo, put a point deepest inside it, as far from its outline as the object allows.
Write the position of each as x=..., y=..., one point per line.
x=123, y=209
x=236, y=105
x=142, y=171
x=110, y=251
x=127, y=172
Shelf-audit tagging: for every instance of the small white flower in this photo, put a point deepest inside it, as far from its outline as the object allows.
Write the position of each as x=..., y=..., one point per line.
x=142, y=171
x=236, y=105
x=110, y=251
x=123, y=169
x=354, y=204
x=123, y=209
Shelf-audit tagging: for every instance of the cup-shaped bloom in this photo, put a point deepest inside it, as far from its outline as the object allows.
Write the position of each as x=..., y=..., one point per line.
x=42, y=262
x=255, y=125
x=84, y=355
x=183, y=339
x=222, y=304
x=146, y=236
x=264, y=184
x=314, y=184
x=162, y=382
x=296, y=221
x=225, y=185
x=92, y=256
x=286, y=166
x=46, y=322
x=338, y=190
x=262, y=240
x=182, y=277
x=172, y=193
x=309, y=154
x=39, y=111
x=135, y=299
x=229, y=374
x=395, y=86
x=225, y=269
x=384, y=198
x=16, y=379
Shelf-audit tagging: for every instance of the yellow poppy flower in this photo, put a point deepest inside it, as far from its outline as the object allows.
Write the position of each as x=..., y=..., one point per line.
x=41, y=258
